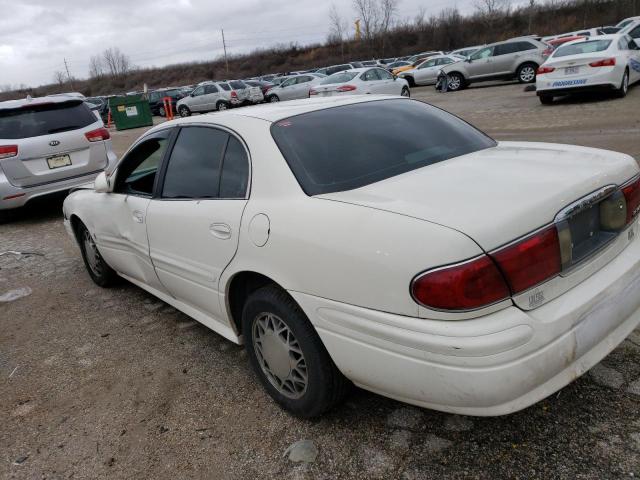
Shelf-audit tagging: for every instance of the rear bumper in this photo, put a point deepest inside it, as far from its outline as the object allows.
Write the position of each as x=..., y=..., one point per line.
x=493, y=365
x=557, y=92
x=606, y=79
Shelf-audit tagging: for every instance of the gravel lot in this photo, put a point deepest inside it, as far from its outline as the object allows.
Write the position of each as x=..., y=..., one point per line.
x=115, y=384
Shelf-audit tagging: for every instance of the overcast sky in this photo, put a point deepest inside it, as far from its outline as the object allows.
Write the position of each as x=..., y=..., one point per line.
x=37, y=35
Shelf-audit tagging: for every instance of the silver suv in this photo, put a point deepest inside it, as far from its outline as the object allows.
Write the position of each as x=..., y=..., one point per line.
x=209, y=96
x=293, y=87
x=48, y=145
x=516, y=58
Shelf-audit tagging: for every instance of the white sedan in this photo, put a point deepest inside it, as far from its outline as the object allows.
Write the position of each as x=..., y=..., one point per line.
x=427, y=72
x=379, y=241
x=361, y=81
x=607, y=62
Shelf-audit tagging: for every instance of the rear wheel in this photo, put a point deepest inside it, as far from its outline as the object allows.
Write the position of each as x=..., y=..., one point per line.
x=273, y=98
x=546, y=99
x=624, y=85
x=288, y=356
x=162, y=112
x=455, y=82
x=527, y=72
x=184, y=111
x=101, y=273
x=221, y=106
x=410, y=81
x=405, y=92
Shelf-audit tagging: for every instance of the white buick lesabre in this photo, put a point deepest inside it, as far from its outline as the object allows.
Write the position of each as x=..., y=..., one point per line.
x=379, y=241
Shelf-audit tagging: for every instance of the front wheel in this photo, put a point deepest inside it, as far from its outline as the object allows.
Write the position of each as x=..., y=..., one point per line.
x=405, y=92
x=162, y=112
x=624, y=85
x=273, y=98
x=184, y=111
x=455, y=82
x=221, y=106
x=527, y=73
x=288, y=356
x=101, y=273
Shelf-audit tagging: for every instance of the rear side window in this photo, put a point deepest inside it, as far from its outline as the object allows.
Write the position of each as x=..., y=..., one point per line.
x=210, y=89
x=368, y=142
x=589, y=46
x=194, y=166
x=44, y=119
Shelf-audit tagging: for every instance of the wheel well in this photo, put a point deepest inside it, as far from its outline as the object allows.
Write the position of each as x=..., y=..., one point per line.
x=75, y=223
x=527, y=63
x=241, y=286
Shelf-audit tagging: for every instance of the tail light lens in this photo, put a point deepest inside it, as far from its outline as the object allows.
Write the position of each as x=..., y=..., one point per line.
x=346, y=88
x=98, y=135
x=607, y=62
x=542, y=70
x=531, y=261
x=8, y=151
x=312, y=92
x=631, y=193
x=234, y=94
x=464, y=286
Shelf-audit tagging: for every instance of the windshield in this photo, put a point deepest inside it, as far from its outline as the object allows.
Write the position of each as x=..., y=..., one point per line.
x=590, y=46
x=338, y=78
x=44, y=119
x=371, y=141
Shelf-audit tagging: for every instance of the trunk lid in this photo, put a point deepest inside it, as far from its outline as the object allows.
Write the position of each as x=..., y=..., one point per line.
x=51, y=142
x=576, y=65
x=498, y=194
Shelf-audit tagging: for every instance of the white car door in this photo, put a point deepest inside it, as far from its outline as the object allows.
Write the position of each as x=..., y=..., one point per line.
x=120, y=227
x=388, y=83
x=371, y=82
x=194, y=221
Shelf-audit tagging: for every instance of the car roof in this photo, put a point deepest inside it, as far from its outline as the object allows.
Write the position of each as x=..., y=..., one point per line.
x=57, y=98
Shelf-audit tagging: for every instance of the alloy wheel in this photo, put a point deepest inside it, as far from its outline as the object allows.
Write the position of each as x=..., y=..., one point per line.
x=93, y=256
x=527, y=74
x=454, y=82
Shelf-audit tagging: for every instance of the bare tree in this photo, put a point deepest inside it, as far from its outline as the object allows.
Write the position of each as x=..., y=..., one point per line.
x=96, y=66
x=337, y=28
x=60, y=77
x=116, y=62
x=369, y=15
x=492, y=10
x=419, y=20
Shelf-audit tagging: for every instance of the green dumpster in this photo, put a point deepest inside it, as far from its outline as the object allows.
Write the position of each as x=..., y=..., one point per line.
x=130, y=111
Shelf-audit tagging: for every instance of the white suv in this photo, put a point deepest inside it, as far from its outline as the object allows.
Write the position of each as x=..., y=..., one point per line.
x=48, y=145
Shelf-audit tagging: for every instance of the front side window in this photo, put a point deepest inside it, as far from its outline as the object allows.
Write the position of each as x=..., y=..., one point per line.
x=635, y=33
x=368, y=142
x=428, y=63
x=482, y=53
x=370, y=75
x=194, y=165
x=383, y=74
x=137, y=172
x=288, y=82
x=198, y=91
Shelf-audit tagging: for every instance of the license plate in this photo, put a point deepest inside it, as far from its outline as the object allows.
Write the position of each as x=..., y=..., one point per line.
x=571, y=70
x=59, y=161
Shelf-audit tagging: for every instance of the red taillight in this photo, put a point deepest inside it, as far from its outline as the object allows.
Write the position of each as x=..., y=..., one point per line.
x=530, y=261
x=265, y=90
x=234, y=94
x=546, y=53
x=542, y=70
x=8, y=151
x=607, y=62
x=346, y=88
x=463, y=286
x=632, y=195
x=98, y=135
x=312, y=92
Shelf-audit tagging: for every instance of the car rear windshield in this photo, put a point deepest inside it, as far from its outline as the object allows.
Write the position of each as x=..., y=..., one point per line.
x=590, y=46
x=44, y=119
x=224, y=86
x=338, y=78
x=237, y=85
x=350, y=146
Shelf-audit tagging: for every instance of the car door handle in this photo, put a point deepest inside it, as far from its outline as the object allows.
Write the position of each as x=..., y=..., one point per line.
x=138, y=216
x=220, y=230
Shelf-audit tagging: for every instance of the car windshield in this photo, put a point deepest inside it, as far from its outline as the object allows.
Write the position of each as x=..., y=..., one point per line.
x=338, y=78
x=590, y=46
x=371, y=141
x=44, y=119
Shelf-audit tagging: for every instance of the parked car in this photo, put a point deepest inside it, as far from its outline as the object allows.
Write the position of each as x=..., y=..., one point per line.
x=553, y=44
x=411, y=64
x=627, y=21
x=632, y=29
x=294, y=87
x=607, y=62
x=465, y=52
x=401, y=63
x=278, y=80
x=423, y=55
x=100, y=105
x=335, y=69
x=247, y=94
x=156, y=100
x=360, y=81
x=501, y=60
x=48, y=145
x=206, y=97
x=263, y=86
x=300, y=230
x=369, y=63
x=426, y=73
x=587, y=32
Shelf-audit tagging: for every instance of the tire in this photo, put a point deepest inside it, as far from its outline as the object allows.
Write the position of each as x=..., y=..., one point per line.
x=222, y=106
x=270, y=309
x=455, y=82
x=184, y=111
x=526, y=73
x=405, y=92
x=546, y=99
x=101, y=273
x=624, y=85
x=162, y=112
x=410, y=81
x=273, y=98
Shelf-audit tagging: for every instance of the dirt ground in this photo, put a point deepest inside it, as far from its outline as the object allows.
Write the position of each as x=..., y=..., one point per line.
x=115, y=384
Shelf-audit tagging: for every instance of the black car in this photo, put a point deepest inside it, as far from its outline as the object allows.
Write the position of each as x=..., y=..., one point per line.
x=100, y=105
x=156, y=100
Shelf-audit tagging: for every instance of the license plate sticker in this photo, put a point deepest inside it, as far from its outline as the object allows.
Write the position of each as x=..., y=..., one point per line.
x=571, y=70
x=59, y=161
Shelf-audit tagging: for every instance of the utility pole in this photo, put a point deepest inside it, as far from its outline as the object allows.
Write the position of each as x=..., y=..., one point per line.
x=68, y=74
x=224, y=45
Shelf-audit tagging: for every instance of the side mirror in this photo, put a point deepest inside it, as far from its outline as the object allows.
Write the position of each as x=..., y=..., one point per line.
x=102, y=184
x=468, y=60
x=191, y=94
x=395, y=77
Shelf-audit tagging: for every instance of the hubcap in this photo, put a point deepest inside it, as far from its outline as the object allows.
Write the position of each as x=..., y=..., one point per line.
x=405, y=93
x=527, y=74
x=279, y=355
x=273, y=99
x=162, y=111
x=183, y=112
x=625, y=83
x=93, y=256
